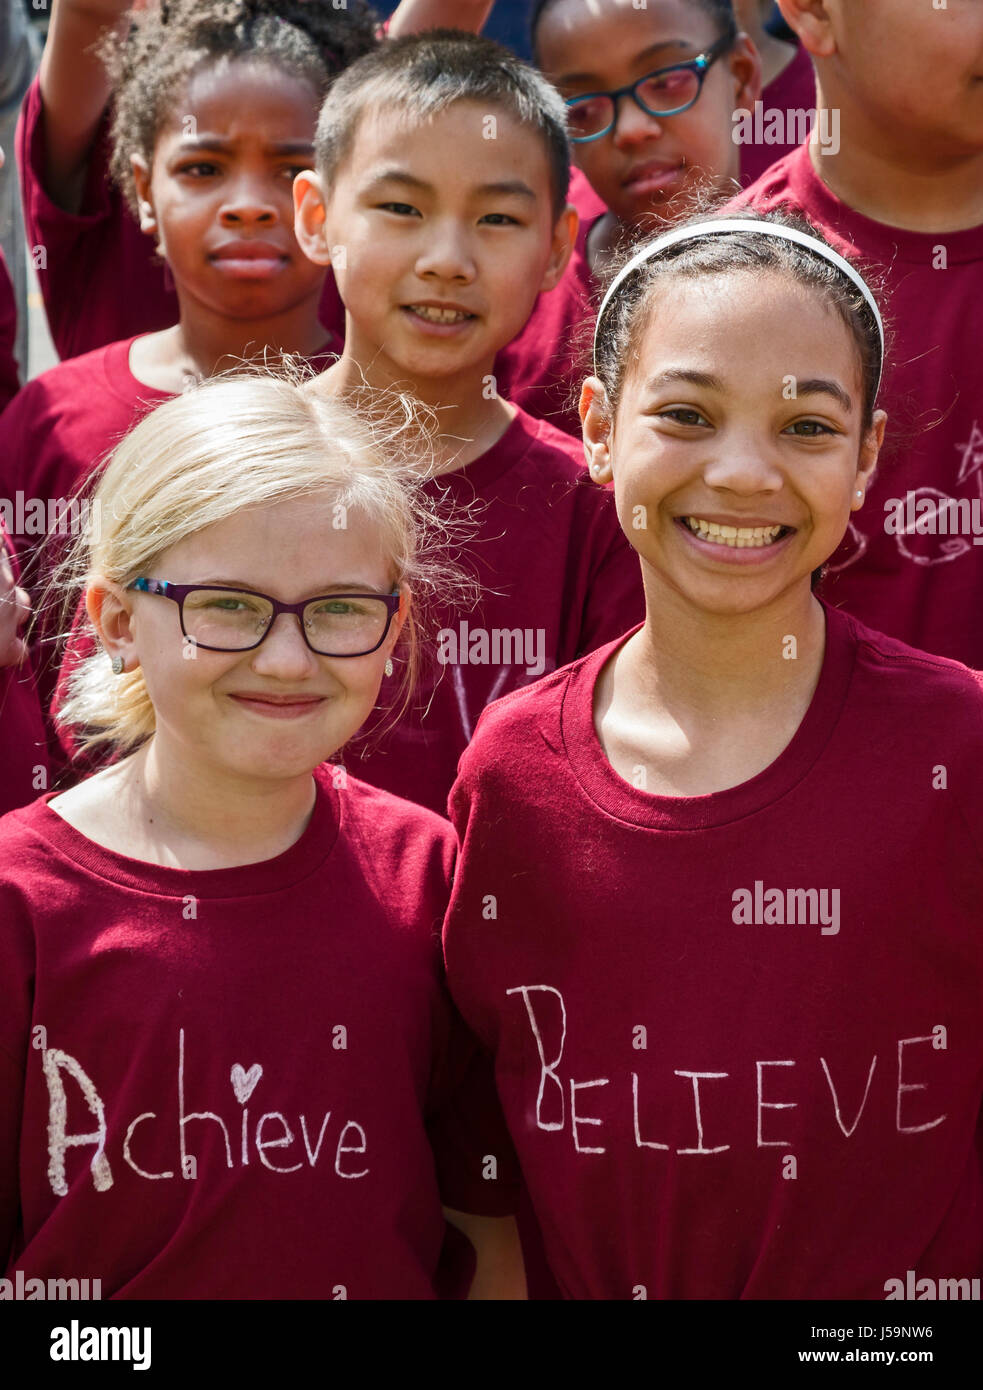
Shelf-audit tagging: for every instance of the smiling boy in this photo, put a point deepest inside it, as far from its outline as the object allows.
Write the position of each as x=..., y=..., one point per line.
x=440, y=201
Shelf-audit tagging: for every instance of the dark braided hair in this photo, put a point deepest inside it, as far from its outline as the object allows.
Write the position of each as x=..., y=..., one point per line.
x=150, y=66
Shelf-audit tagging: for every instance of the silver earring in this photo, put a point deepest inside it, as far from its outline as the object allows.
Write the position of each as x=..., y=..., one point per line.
x=859, y=493
x=388, y=666
x=118, y=664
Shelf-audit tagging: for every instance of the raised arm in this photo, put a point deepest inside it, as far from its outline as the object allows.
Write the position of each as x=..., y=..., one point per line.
x=75, y=90
x=414, y=15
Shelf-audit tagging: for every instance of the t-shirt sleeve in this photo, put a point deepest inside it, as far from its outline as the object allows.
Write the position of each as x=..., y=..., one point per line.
x=477, y=1169
x=615, y=599
x=9, y=379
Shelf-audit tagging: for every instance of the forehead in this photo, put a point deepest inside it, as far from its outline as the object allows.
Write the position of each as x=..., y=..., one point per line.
x=577, y=36
x=292, y=544
x=245, y=97
x=750, y=328
x=467, y=145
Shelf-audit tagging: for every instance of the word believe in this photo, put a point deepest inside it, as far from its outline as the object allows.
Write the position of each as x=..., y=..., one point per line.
x=549, y=1031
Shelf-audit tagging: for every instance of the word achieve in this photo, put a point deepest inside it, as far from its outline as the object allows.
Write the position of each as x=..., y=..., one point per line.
x=270, y=1134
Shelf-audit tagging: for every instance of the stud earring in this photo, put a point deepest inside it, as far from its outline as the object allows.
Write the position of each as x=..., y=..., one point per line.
x=118, y=664
x=859, y=493
x=388, y=668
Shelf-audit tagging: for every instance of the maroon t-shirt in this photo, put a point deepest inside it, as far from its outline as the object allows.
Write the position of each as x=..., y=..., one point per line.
x=738, y=1037
x=100, y=276
x=914, y=570
x=791, y=92
x=23, y=755
x=277, y=1091
x=9, y=379
x=558, y=579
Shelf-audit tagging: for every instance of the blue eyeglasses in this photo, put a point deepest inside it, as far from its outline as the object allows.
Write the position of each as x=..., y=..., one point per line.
x=665, y=92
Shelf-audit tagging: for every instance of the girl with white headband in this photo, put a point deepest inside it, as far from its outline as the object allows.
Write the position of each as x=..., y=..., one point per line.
x=718, y=907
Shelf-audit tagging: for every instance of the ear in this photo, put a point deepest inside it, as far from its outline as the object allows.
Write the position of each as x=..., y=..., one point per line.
x=595, y=418
x=310, y=217
x=111, y=616
x=399, y=619
x=813, y=23
x=870, y=447
x=564, y=240
x=745, y=65
x=141, y=178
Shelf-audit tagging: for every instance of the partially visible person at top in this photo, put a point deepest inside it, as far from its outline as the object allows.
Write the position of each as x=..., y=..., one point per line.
x=903, y=193
x=214, y=116
x=448, y=236
x=686, y=57
x=788, y=91
x=102, y=280
x=232, y=947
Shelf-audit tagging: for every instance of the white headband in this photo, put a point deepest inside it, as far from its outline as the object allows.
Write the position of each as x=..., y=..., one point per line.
x=735, y=224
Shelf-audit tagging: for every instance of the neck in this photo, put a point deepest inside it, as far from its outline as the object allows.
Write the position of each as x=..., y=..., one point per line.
x=207, y=342
x=882, y=175
x=184, y=812
x=724, y=667
x=467, y=422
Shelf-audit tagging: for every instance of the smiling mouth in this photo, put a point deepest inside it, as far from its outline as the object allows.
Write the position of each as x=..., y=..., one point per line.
x=738, y=537
x=435, y=315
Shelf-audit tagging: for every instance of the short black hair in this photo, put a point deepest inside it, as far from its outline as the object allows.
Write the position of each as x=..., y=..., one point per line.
x=424, y=74
x=722, y=11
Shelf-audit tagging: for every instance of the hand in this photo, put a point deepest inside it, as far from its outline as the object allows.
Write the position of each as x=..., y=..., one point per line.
x=15, y=609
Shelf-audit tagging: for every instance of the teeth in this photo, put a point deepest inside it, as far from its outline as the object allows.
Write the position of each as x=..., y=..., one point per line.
x=738, y=537
x=427, y=311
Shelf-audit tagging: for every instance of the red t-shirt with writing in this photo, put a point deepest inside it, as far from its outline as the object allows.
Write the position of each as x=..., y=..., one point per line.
x=921, y=585
x=9, y=378
x=738, y=1036
x=558, y=578
x=791, y=92
x=23, y=755
x=278, y=1092
x=100, y=276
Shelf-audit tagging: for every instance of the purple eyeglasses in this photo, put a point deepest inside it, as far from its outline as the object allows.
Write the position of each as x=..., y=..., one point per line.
x=222, y=619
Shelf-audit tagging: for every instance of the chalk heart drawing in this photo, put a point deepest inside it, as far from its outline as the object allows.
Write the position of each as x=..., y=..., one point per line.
x=245, y=1082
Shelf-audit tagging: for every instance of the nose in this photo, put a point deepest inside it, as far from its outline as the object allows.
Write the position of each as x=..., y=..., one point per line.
x=249, y=203
x=632, y=125
x=283, y=654
x=447, y=255
x=743, y=465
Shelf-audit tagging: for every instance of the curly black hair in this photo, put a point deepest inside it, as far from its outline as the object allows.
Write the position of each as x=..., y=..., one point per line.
x=150, y=66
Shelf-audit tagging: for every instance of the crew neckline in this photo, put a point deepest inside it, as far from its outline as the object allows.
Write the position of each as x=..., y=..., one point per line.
x=877, y=240
x=304, y=856
x=619, y=799
x=507, y=452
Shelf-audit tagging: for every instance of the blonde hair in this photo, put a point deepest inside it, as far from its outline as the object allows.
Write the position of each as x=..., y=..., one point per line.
x=248, y=440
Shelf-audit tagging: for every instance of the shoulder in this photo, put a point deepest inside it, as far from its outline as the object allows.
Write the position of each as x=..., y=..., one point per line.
x=397, y=831
x=911, y=680
x=547, y=446
x=26, y=858
x=68, y=382
x=519, y=729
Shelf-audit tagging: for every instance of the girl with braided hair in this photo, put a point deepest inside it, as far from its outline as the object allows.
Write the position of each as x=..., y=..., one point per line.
x=100, y=279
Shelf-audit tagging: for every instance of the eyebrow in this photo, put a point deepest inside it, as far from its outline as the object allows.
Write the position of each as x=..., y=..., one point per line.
x=221, y=142
x=823, y=386
x=646, y=53
x=690, y=378
x=504, y=188
x=344, y=586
